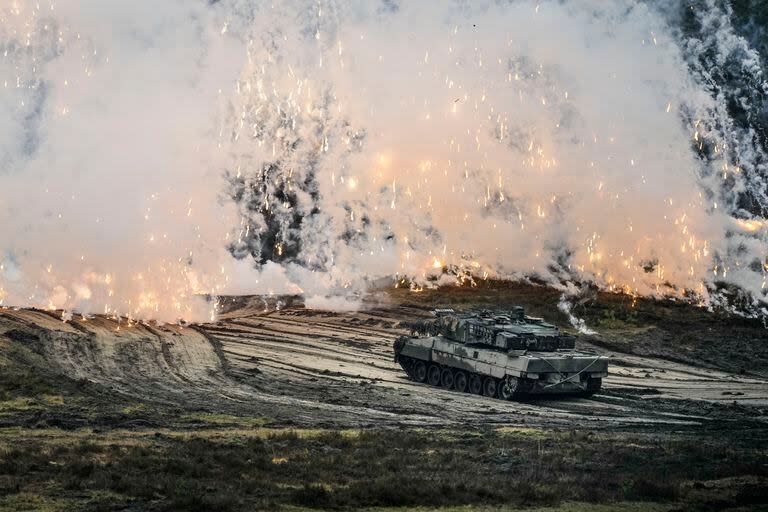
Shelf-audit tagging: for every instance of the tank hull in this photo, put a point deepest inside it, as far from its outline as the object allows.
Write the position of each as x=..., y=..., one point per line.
x=516, y=373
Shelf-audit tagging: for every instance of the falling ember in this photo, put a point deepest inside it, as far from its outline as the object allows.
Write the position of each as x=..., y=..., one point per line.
x=351, y=142
x=752, y=225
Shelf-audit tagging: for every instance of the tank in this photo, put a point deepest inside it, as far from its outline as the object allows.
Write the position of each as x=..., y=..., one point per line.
x=500, y=354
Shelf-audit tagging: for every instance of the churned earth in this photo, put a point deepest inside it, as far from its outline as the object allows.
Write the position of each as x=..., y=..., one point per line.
x=679, y=377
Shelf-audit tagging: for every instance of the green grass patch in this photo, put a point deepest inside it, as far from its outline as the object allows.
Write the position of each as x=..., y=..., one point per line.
x=535, y=433
x=135, y=409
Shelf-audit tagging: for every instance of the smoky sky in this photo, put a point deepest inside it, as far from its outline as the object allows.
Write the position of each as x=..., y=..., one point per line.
x=151, y=154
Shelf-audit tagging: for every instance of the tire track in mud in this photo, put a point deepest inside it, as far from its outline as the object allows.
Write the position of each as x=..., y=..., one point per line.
x=217, y=348
x=165, y=350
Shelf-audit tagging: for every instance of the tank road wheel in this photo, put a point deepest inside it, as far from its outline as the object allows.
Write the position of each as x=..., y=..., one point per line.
x=460, y=382
x=433, y=375
x=507, y=388
x=475, y=384
x=419, y=371
x=593, y=386
x=489, y=387
x=446, y=378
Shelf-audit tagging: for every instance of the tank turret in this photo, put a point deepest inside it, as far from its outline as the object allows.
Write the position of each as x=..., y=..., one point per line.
x=503, y=330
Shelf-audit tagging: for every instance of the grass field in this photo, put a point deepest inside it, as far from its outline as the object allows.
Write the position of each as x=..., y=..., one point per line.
x=250, y=468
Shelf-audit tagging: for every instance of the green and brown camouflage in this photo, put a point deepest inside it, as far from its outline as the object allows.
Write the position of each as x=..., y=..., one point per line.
x=502, y=354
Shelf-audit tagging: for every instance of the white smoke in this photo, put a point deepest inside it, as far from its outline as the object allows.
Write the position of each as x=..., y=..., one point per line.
x=566, y=306
x=360, y=139
x=109, y=178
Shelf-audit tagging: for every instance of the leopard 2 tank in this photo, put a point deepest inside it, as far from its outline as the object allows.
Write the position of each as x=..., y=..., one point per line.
x=502, y=354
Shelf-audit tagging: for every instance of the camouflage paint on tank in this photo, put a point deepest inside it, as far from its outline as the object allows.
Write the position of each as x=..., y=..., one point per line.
x=528, y=353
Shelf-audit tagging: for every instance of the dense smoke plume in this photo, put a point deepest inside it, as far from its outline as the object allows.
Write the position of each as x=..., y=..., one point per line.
x=152, y=154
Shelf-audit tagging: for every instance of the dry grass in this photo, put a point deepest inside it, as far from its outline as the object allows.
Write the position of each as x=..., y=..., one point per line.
x=371, y=468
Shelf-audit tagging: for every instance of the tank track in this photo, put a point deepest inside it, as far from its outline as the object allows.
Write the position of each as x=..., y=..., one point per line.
x=467, y=382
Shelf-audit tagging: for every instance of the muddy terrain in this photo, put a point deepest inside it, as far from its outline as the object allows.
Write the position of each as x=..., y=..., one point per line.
x=270, y=363
x=322, y=369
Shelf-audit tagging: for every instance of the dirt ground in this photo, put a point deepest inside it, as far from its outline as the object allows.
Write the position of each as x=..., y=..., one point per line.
x=271, y=363
x=319, y=369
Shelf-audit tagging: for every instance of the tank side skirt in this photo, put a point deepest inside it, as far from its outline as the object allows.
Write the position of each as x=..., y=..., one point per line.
x=474, y=359
x=473, y=365
x=538, y=364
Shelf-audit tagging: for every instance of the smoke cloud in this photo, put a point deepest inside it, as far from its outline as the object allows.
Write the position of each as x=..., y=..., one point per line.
x=152, y=154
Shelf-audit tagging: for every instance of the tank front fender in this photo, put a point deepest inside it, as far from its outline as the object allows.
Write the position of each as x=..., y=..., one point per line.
x=398, y=347
x=416, y=348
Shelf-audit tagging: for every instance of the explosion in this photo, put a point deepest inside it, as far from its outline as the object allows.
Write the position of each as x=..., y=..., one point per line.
x=248, y=147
